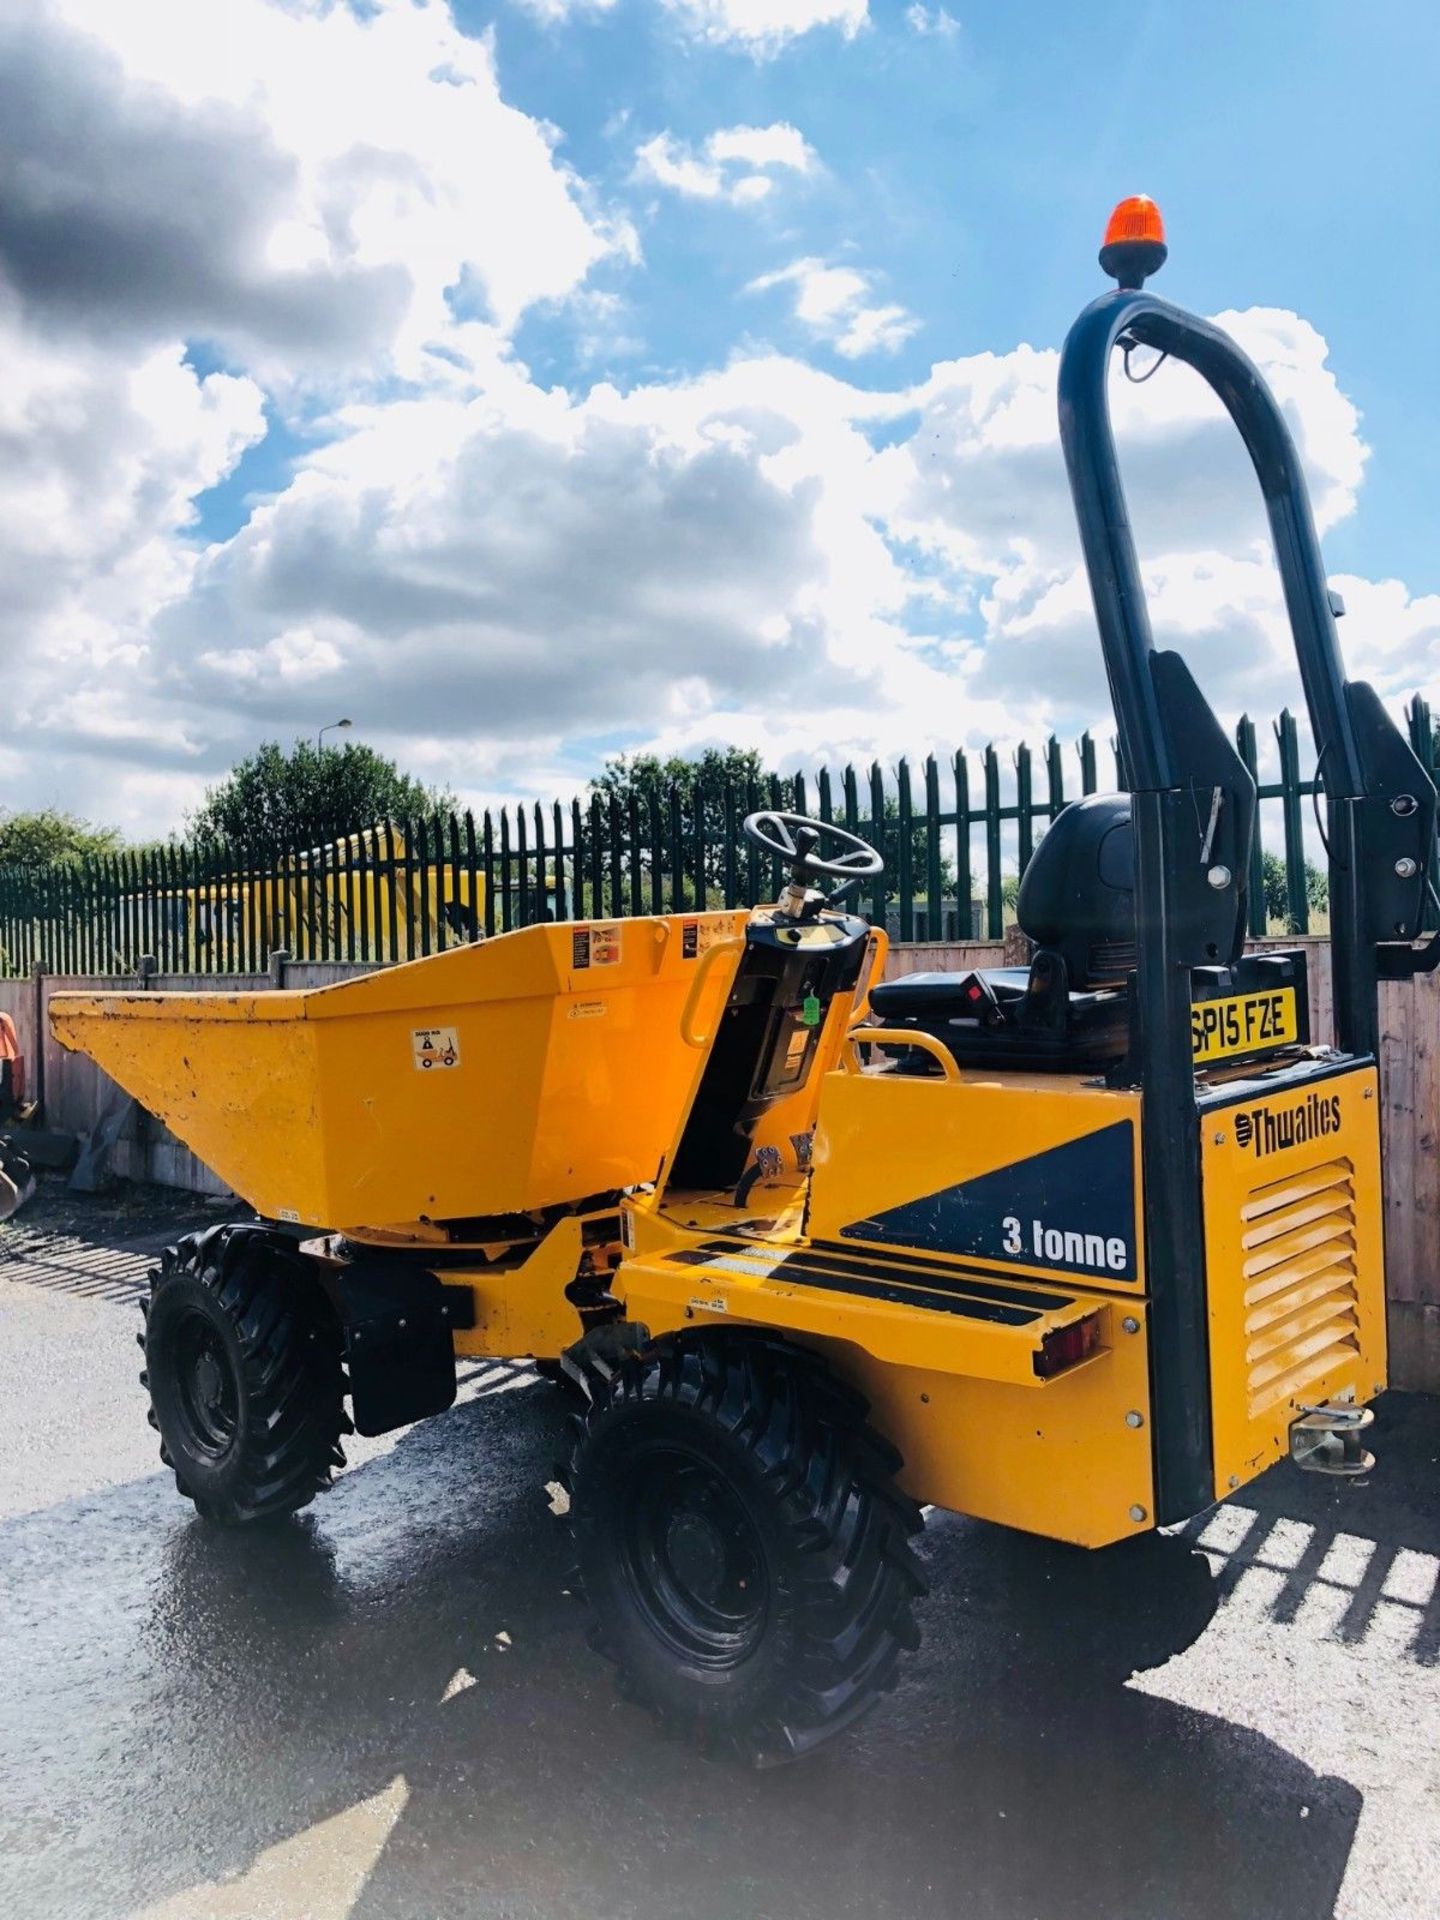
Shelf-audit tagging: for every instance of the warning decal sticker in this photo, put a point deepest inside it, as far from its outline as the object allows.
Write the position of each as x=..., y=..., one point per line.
x=435, y=1048
x=605, y=938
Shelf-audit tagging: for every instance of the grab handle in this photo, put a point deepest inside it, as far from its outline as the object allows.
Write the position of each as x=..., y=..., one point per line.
x=872, y=966
x=899, y=1037
x=692, y=999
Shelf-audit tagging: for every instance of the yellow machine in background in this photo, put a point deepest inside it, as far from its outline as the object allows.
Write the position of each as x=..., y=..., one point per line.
x=1077, y=1247
x=370, y=892
x=360, y=897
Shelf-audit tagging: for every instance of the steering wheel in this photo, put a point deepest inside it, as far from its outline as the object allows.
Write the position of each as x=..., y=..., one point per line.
x=790, y=836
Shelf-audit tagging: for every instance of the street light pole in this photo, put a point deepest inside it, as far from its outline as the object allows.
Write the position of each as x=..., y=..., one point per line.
x=320, y=736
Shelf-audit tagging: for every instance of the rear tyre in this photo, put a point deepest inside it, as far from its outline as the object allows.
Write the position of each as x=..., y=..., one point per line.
x=743, y=1543
x=242, y=1361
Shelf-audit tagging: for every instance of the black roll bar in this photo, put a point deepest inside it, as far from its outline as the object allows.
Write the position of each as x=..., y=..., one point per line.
x=1160, y=766
x=1088, y=439
x=1381, y=804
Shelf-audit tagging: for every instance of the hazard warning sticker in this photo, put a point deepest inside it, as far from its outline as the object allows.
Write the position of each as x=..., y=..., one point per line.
x=697, y=937
x=435, y=1048
x=605, y=938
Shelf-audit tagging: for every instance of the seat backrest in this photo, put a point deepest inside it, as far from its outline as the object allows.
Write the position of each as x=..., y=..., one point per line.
x=1077, y=895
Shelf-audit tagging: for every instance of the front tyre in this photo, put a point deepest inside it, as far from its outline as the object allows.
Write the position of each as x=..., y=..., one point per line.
x=743, y=1543
x=242, y=1360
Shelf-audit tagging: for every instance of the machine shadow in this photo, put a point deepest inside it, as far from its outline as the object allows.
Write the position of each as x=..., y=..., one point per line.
x=1012, y=1774
x=1313, y=1533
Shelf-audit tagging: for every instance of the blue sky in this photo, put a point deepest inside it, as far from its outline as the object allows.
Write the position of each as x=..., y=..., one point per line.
x=1294, y=148
x=538, y=379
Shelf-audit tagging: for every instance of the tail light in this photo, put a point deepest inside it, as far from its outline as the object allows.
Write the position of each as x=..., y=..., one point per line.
x=1066, y=1347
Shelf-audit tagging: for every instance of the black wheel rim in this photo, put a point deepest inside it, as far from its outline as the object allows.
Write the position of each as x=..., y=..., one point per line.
x=207, y=1393
x=693, y=1560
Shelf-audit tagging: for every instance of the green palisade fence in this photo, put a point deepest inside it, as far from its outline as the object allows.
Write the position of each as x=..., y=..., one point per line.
x=953, y=833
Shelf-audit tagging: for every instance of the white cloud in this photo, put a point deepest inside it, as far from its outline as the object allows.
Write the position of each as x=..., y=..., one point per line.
x=671, y=163
x=556, y=12
x=1394, y=639
x=731, y=165
x=301, y=183
x=834, y=303
x=102, y=452
x=763, y=27
x=498, y=579
x=778, y=145
x=298, y=187
x=932, y=22
x=549, y=564
x=979, y=488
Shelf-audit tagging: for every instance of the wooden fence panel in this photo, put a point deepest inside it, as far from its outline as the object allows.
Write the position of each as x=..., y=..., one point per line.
x=1410, y=1094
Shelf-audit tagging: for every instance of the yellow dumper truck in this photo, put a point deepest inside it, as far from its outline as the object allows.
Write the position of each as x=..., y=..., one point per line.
x=348, y=899
x=1078, y=1247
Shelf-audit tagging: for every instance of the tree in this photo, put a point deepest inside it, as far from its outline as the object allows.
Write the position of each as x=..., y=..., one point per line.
x=701, y=787
x=311, y=795
x=1277, y=892
x=49, y=838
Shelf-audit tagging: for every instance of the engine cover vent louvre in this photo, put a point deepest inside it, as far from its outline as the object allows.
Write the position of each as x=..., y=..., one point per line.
x=1300, y=1273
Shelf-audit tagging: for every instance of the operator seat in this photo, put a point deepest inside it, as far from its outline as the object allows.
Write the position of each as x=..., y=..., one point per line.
x=1069, y=1010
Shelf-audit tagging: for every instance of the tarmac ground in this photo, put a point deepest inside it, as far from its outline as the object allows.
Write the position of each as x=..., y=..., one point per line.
x=386, y=1708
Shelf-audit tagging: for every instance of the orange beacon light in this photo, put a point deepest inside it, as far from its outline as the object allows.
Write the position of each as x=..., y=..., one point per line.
x=1134, y=244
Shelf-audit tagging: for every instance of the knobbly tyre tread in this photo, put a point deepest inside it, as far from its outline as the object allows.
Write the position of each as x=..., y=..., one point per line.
x=831, y=1479
x=294, y=1377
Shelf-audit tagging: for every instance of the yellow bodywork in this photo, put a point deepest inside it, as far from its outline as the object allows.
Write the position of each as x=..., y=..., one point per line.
x=494, y=1099
x=1295, y=1261
x=522, y=1073
x=958, y=1393
x=888, y=1137
x=978, y=1429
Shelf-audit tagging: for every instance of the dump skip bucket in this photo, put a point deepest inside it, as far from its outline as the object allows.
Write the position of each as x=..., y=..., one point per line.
x=533, y=1070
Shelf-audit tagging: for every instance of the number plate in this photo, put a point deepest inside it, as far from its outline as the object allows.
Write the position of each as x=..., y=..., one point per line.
x=1243, y=1023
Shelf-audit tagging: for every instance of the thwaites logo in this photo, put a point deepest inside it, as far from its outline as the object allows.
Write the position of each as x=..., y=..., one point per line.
x=1266, y=1130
